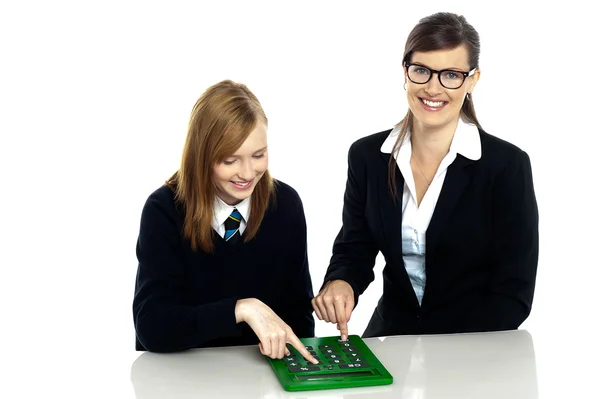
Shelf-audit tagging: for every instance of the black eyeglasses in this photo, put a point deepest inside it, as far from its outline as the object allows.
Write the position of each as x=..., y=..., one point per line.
x=449, y=78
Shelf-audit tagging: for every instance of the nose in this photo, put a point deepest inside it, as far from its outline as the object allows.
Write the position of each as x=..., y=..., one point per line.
x=246, y=171
x=433, y=87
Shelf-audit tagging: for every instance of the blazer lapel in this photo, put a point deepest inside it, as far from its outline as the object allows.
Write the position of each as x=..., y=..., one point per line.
x=391, y=222
x=457, y=179
x=391, y=212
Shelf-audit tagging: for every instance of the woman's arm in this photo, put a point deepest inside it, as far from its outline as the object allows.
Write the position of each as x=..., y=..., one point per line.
x=509, y=295
x=354, y=251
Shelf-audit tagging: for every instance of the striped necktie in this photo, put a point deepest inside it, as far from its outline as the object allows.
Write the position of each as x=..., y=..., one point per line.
x=232, y=227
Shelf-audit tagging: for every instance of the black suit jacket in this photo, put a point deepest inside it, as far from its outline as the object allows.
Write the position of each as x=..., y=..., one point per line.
x=481, y=243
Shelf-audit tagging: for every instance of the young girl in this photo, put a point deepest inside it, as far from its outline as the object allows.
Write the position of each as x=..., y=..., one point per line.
x=222, y=245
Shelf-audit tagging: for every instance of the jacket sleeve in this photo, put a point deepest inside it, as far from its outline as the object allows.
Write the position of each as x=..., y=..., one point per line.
x=354, y=250
x=163, y=322
x=509, y=296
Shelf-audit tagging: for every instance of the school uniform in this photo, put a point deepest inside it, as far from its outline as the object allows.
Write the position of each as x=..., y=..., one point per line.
x=185, y=299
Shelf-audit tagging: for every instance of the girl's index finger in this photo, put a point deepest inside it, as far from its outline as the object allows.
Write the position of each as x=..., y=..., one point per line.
x=296, y=343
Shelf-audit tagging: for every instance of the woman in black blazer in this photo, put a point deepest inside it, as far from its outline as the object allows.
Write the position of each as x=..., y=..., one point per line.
x=451, y=207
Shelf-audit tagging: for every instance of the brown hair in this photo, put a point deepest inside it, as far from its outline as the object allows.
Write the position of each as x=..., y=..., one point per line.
x=220, y=122
x=440, y=31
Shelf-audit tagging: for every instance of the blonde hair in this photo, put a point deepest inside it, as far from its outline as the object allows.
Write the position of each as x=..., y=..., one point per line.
x=220, y=122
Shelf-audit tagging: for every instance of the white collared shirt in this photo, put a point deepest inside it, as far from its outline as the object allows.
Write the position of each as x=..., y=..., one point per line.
x=222, y=212
x=416, y=218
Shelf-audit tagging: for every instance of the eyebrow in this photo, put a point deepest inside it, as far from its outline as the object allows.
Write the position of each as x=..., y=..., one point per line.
x=443, y=69
x=257, y=151
x=261, y=150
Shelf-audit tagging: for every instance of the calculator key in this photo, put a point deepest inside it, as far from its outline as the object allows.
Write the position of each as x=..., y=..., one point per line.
x=303, y=369
x=354, y=365
x=353, y=355
x=349, y=350
x=328, y=346
x=337, y=361
x=293, y=364
x=330, y=351
x=290, y=359
x=346, y=344
x=334, y=356
x=309, y=348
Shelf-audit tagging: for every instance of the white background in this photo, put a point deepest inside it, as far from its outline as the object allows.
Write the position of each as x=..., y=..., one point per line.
x=94, y=103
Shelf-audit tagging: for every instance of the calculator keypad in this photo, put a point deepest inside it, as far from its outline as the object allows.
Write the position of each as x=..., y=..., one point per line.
x=335, y=356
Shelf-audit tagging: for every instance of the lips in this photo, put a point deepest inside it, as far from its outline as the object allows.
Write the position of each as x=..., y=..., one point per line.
x=433, y=105
x=241, y=184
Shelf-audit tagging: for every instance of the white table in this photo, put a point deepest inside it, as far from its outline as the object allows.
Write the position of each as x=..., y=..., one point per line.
x=487, y=366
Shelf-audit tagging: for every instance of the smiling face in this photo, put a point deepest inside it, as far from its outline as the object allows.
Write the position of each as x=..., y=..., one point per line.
x=433, y=105
x=237, y=175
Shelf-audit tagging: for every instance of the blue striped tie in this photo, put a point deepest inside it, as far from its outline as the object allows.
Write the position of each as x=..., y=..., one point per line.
x=232, y=227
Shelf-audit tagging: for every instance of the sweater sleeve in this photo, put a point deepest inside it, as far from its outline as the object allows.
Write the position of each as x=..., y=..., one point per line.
x=299, y=291
x=163, y=321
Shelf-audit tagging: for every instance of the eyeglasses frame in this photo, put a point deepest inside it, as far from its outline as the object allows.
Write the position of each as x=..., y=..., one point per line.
x=439, y=75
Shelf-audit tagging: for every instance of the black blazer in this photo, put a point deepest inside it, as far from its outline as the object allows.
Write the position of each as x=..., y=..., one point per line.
x=481, y=244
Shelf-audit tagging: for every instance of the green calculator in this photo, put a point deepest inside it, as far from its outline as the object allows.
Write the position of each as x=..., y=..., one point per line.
x=342, y=364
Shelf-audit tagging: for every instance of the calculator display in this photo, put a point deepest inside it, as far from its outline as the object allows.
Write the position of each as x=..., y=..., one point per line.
x=332, y=375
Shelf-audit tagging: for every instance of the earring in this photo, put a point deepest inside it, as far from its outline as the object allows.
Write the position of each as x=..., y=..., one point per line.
x=404, y=86
x=469, y=96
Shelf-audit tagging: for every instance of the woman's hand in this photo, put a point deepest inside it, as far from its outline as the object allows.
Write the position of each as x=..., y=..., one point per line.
x=274, y=334
x=334, y=304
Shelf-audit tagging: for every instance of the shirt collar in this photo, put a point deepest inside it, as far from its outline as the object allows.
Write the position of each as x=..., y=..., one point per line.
x=222, y=211
x=466, y=141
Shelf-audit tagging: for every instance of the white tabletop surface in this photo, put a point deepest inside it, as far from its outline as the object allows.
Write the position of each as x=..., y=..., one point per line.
x=491, y=365
x=552, y=363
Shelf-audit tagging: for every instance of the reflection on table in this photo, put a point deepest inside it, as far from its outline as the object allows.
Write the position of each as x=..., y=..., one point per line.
x=490, y=365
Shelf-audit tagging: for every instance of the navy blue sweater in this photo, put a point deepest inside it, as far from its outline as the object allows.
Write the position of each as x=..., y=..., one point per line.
x=185, y=299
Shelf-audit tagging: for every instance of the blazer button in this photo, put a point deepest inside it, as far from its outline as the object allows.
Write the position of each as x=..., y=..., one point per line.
x=418, y=318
